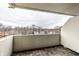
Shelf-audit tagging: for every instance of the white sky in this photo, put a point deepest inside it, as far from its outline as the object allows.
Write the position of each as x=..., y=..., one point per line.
x=22, y=17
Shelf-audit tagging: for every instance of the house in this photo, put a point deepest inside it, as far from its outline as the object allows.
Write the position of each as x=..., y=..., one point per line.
x=2, y=34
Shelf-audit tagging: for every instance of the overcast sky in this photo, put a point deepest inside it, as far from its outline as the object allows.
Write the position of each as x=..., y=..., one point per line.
x=25, y=17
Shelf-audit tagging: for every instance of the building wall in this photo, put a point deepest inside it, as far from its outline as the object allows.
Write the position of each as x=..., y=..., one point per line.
x=70, y=34
x=6, y=46
x=35, y=41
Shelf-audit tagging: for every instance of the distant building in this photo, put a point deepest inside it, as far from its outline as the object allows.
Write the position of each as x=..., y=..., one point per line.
x=2, y=34
x=54, y=31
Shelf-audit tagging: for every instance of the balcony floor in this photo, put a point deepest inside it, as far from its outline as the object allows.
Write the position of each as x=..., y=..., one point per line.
x=50, y=51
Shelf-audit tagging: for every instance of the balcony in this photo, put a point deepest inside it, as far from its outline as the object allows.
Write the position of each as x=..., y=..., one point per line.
x=34, y=45
x=63, y=43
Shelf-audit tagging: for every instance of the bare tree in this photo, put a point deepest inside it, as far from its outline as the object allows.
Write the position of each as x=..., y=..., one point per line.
x=33, y=26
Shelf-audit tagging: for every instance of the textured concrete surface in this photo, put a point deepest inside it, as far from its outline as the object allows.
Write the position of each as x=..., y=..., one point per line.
x=26, y=42
x=50, y=51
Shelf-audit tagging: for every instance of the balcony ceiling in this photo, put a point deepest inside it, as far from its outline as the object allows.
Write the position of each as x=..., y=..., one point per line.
x=63, y=8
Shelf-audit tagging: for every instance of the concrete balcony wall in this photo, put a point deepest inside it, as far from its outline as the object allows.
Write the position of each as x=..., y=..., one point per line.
x=35, y=41
x=6, y=45
x=70, y=34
